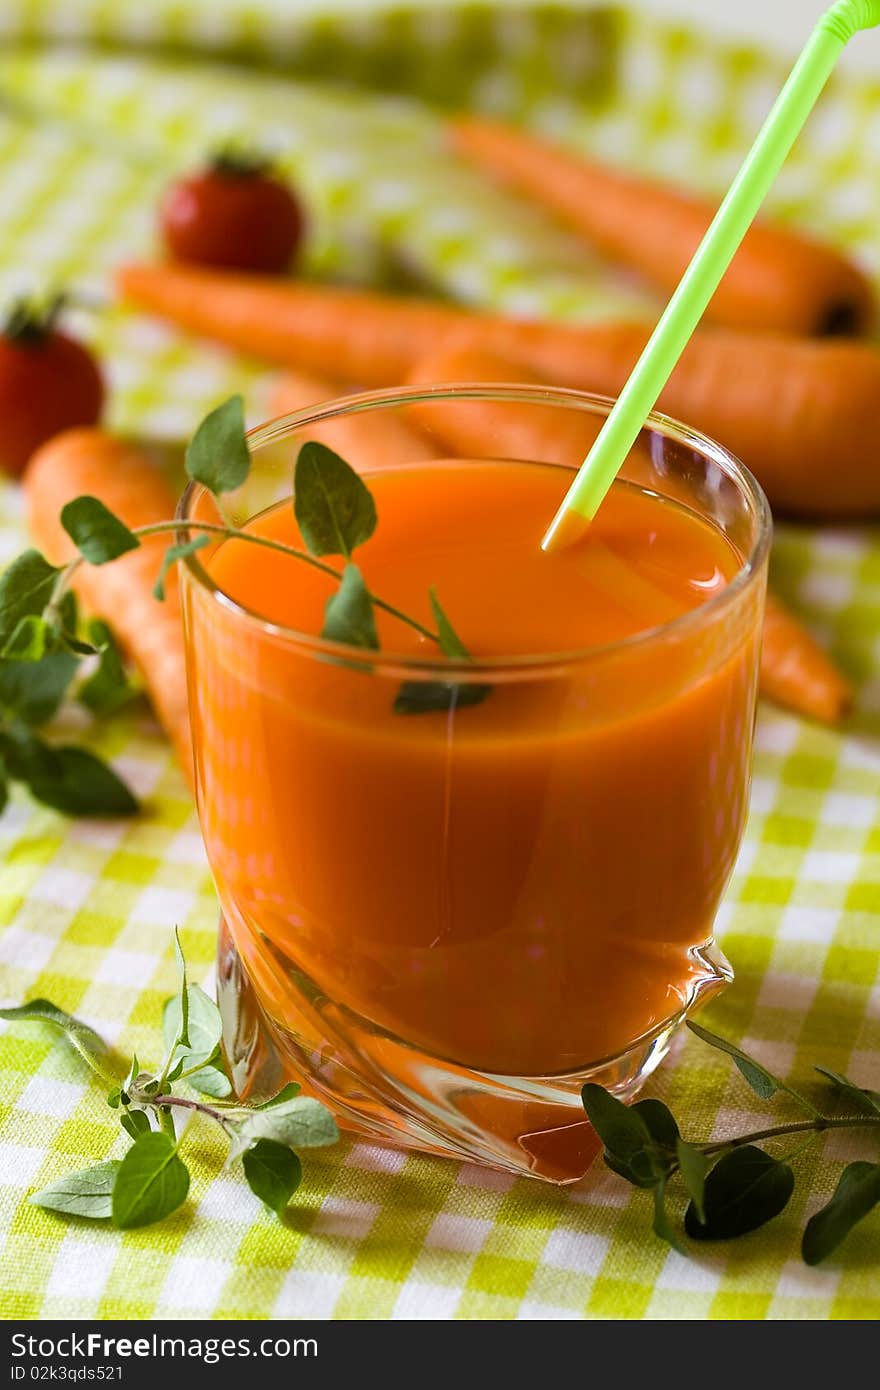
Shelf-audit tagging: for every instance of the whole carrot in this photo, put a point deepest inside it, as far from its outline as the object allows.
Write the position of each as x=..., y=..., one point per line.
x=487, y=429
x=94, y=463
x=367, y=440
x=779, y=280
x=801, y=414
x=795, y=672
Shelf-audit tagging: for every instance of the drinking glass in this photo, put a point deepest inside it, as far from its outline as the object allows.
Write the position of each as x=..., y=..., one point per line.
x=444, y=926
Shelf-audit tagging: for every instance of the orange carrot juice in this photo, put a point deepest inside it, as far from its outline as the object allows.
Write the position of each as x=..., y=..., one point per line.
x=518, y=886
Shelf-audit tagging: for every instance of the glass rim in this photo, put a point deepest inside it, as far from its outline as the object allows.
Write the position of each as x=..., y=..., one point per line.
x=386, y=660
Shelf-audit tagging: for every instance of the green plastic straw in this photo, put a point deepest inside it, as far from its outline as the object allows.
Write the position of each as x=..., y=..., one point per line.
x=702, y=278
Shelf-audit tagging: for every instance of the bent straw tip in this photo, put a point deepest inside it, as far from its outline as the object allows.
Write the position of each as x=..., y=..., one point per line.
x=848, y=17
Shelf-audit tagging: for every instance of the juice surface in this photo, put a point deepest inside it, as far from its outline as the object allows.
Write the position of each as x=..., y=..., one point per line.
x=517, y=886
x=474, y=531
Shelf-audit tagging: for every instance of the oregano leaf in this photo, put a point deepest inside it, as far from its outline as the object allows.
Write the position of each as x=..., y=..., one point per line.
x=98, y=535
x=857, y=1193
x=88, y=1192
x=152, y=1182
x=868, y=1102
x=662, y=1226
x=438, y=697
x=69, y=779
x=334, y=508
x=31, y=639
x=135, y=1123
x=197, y=1039
x=218, y=456
x=301, y=1123
x=744, y=1191
x=109, y=687
x=273, y=1173
x=176, y=552
x=693, y=1166
x=762, y=1081
x=349, y=616
x=26, y=587
x=629, y=1146
x=211, y=1081
x=89, y=1044
x=659, y=1122
x=450, y=643
x=287, y=1092
x=32, y=691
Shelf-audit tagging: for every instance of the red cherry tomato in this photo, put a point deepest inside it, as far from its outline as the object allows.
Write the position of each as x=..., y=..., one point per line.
x=48, y=382
x=234, y=214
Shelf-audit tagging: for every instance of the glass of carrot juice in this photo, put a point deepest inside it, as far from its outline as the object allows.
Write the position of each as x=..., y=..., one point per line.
x=453, y=890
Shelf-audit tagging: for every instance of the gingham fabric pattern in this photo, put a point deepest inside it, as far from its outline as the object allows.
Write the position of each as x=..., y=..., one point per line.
x=87, y=139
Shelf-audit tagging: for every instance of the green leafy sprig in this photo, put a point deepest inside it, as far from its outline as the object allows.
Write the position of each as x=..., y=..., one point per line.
x=41, y=645
x=152, y=1180
x=734, y=1185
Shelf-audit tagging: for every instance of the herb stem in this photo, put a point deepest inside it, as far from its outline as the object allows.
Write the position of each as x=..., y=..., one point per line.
x=167, y=1123
x=817, y=1126
x=157, y=528
x=169, y=1100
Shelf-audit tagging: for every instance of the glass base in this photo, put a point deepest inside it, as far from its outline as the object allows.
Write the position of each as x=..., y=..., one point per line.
x=390, y=1092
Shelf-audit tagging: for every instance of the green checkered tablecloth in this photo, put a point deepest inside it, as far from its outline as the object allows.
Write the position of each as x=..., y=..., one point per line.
x=88, y=135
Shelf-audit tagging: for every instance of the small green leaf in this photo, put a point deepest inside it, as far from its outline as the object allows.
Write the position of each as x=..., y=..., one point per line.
x=620, y=1127
x=218, y=456
x=301, y=1123
x=287, y=1092
x=693, y=1166
x=31, y=641
x=868, y=1102
x=114, y=1097
x=88, y=1192
x=659, y=1122
x=32, y=691
x=211, y=1081
x=135, y=1123
x=132, y=1074
x=662, y=1227
x=25, y=589
x=441, y=697
x=762, y=1081
x=97, y=534
x=90, y=1046
x=349, y=616
x=744, y=1190
x=333, y=506
x=450, y=643
x=68, y=779
x=438, y=697
x=197, y=1042
x=171, y=557
x=108, y=688
x=273, y=1173
x=641, y=1169
x=180, y=1033
x=152, y=1182
x=857, y=1193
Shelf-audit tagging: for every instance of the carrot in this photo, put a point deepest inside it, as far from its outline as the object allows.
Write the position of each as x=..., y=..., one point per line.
x=779, y=279
x=91, y=462
x=485, y=429
x=801, y=414
x=368, y=440
x=795, y=672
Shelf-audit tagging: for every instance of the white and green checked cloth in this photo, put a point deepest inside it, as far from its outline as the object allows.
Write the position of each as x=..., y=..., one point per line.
x=88, y=136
